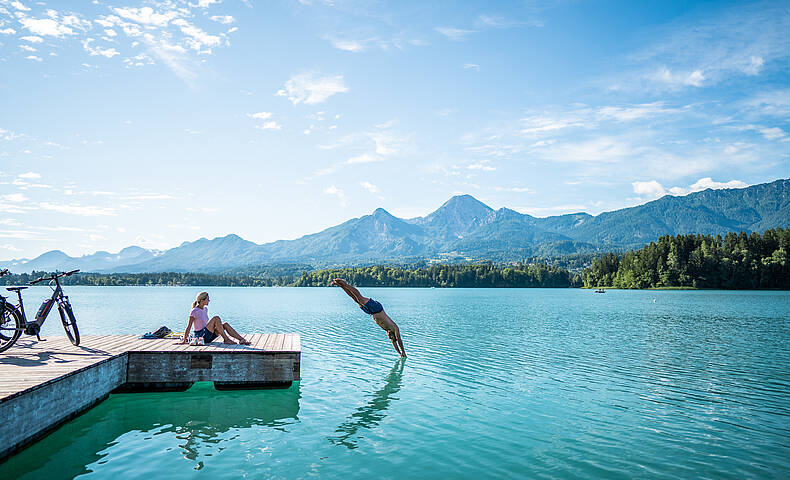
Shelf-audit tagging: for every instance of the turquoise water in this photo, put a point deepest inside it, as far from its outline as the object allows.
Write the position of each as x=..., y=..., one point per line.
x=527, y=383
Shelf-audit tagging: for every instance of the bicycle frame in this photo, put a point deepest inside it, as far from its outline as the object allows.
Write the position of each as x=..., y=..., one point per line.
x=34, y=327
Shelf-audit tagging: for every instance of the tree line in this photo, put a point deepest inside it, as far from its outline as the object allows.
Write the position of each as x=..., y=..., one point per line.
x=470, y=275
x=736, y=261
x=151, y=279
x=485, y=275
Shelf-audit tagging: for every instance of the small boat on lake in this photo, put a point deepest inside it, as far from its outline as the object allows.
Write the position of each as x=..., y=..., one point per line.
x=600, y=290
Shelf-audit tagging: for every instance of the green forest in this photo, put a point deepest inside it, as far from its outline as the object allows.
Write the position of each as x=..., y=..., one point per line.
x=486, y=275
x=737, y=261
x=150, y=279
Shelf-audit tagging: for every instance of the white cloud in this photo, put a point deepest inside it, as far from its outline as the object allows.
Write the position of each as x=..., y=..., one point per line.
x=370, y=187
x=740, y=40
x=223, y=19
x=311, y=88
x=540, y=124
x=347, y=45
x=28, y=48
x=269, y=126
x=20, y=6
x=387, y=143
x=46, y=27
x=633, y=112
x=30, y=175
x=95, y=51
x=679, y=79
x=7, y=31
x=32, y=39
x=333, y=190
x=14, y=198
x=205, y=3
x=364, y=158
x=147, y=197
x=472, y=66
x=773, y=133
x=260, y=115
x=86, y=211
x=146, y=16
x=454, y=33
x=481, y=166
x=652, y=189
x=198, y=36
x=599, y=150
x=33, y=57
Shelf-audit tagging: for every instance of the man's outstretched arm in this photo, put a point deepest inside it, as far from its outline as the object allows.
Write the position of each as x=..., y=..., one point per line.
x=350, y=290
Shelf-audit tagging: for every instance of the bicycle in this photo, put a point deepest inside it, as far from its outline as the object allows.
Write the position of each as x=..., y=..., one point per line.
x=14, y=321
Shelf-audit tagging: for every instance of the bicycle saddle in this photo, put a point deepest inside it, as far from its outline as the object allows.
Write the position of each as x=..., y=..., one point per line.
x=14, y=289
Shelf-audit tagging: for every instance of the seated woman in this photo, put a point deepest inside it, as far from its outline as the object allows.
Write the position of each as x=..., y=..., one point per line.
x=207, y=329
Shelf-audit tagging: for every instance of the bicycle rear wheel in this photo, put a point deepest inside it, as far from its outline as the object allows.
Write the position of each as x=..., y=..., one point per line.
x=69, y=322
x=11, y=326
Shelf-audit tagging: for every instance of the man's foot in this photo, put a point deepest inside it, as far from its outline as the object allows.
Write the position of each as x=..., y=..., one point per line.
x=228, y=341
x=244, y=342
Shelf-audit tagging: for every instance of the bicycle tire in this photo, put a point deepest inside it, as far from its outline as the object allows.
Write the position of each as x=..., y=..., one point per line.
x=71, y=326
x=10, y=315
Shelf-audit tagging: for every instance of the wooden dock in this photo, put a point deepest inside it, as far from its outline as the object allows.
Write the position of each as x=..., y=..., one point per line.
x=44, y=384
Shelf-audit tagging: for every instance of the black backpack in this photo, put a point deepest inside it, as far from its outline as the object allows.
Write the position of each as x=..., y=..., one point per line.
x=162, y=332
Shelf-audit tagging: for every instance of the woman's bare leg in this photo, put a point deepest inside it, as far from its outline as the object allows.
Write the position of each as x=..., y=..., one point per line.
x=215, y=325
x=234, y=334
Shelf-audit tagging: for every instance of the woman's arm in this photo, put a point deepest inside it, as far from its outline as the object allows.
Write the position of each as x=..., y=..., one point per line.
x=189, y=327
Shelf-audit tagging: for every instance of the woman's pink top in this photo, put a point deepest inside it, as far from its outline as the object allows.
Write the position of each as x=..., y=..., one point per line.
x=201, y=318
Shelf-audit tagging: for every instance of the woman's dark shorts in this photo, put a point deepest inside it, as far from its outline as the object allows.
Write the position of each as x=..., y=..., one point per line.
x=372, y=307
x=207, y=334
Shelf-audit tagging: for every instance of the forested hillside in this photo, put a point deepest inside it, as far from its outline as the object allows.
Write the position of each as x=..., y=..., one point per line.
x=736, y=261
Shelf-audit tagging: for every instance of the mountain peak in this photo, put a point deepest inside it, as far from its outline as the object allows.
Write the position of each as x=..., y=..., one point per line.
x=380, y=212
x=458, y=215
x=465, y=201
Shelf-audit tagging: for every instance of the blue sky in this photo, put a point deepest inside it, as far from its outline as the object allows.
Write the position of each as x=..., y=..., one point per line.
x=157, y=122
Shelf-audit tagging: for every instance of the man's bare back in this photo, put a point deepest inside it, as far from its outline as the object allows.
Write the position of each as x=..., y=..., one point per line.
x=374, y=308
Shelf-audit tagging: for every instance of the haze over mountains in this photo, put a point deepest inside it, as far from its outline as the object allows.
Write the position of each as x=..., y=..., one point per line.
x=461, y=229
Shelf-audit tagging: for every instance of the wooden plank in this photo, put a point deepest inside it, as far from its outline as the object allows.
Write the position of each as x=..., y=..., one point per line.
x=262, y=341
x=270, y=341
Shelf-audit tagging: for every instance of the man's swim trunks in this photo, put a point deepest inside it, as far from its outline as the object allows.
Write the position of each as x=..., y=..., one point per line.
x=372, y=307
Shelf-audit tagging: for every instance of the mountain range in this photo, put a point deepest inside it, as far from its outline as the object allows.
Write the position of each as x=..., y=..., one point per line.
x=462, y=229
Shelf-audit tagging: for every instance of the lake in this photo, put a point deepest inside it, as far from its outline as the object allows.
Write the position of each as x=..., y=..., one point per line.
x=527, y=383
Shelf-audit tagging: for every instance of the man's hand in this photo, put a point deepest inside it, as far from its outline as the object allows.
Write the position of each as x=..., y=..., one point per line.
x=338, y=281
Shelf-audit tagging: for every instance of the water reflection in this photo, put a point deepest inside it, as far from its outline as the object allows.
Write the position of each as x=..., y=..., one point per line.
x=198, y=419
x=369, y=415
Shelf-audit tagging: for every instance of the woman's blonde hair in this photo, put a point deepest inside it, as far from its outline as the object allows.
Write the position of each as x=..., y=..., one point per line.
x=200, y=297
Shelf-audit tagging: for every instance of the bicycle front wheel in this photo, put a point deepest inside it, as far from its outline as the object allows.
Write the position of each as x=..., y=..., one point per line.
x=69, y=322
x=11, y=326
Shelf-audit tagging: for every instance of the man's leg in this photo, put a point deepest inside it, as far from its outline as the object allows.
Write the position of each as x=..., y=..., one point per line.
x=400, y=342
x=351, y=291
x=394, y=339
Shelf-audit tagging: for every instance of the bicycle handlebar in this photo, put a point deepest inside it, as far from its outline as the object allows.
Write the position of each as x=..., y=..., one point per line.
x=53, y=277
